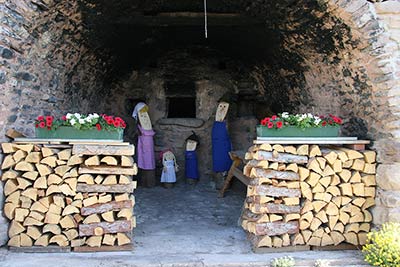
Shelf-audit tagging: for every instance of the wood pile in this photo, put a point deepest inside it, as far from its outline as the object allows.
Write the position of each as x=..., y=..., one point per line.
x=308, y=195
x=69, y=195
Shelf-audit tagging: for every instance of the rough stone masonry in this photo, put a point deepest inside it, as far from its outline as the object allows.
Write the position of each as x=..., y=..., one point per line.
x=329, y=56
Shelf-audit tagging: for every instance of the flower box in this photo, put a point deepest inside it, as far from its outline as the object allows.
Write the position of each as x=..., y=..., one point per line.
x=293, y=131
x=66, y=132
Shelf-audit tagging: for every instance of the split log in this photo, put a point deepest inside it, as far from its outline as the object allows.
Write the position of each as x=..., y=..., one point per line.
x=33, y=232
x=8, y=148
x=369, y=156
x=110, y=206
x=127, y=161
x=10, y=174
x=113, y=227
x=15, y=228
x=124, y=179
x=24, y=166
x=290, y=149
x=68, y=222
x=20, y=214
x=109, y=160
x=14, y=241
x=86, y=178
x=75, y=160
x=64, y=154
x=108, y=216
x=109, y=239
x=90, y=201
x=110, y=180
x=46, y=152
x=71, y=234
x=302, y=150
x=123, y=239
x=106, y=198
x=26, y=241
x=61, y=170
x=9, y=210
x=19, y=155
x=60, y=240
x=52, y=228
x=281, y=157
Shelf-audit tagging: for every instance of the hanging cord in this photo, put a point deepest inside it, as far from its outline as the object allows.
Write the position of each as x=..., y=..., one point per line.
x=205, y=19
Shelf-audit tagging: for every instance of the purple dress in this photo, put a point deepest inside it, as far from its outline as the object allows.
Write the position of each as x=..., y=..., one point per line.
x=145, y=149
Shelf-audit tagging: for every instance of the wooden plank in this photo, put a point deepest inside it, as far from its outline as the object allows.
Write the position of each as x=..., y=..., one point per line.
x=343, y=246
x=240, y=176
x=263, y=250
x=109, y=150
x=274, y=208
x=117, y=188
x=281, y=175
x=358, y=147
x=103, y=169
x=38, y=249
x=122, y=226
x=277, y=228
x=280, y=157
x=71, y=141
x=341, y=138
x=128, y=247
x=311, y=140
x=273, y=191
x=104, y=207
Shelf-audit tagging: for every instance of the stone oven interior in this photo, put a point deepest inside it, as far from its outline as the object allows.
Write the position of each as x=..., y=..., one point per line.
x=269, y=56
x=157, y=52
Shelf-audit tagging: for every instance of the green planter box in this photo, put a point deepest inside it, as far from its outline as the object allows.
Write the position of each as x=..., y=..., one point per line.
x=65, y=132
x=291, y=131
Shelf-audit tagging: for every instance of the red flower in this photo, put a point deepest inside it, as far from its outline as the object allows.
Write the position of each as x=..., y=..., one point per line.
x=49, y=118
x=340, y=121
x=48, y=128
x=270, y=125
x=110, y=121
x=42, y=124
x=264, y=122
x=267, y=119
x=49, y=123
x=40, y=118
x=117, y=123
x=98, y=126
x=279, y=124
x=37, y=125
x=118, y=119
x=123, y=124
x=64, y=118
x=323, y=123
x=274, y=117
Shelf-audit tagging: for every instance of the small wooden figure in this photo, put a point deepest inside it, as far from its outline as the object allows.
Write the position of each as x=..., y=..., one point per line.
x=145, y=146
x=191, y=167
x=168, y=176
x=221, y=143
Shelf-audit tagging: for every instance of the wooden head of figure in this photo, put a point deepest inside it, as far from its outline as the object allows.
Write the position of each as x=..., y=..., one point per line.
x=168, y=156
x=222, y=110
x=141, y=113
x=192, y=142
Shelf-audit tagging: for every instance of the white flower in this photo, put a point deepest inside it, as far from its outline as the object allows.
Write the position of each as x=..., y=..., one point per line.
x=77, y=115
x=310, y=115
x=81, y=121
x=285, y=114
x=95, y=115
x=317, y=121
x=69, y=116
x=72, y=121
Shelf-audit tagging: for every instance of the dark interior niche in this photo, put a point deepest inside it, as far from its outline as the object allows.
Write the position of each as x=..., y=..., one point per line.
x=181, y=107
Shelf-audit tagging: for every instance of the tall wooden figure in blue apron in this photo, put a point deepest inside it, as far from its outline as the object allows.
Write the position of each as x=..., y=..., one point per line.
x=221, y=143
x=191, y=166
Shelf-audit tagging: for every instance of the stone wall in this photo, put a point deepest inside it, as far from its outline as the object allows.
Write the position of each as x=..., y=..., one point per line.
x=45, y=66
x=210, y=83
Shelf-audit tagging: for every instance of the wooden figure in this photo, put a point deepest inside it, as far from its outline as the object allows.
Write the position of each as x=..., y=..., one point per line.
x=191, y=166
x=221, y=143
x=168, y=176
x=145, y=146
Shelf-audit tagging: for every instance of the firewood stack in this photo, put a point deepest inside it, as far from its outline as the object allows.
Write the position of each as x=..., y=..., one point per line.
x=308, y=195
x=68, y=195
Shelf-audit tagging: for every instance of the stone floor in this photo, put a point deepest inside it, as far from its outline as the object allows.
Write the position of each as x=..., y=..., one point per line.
x=183, y=226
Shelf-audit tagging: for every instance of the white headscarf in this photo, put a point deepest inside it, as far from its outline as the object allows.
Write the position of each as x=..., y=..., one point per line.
x=138, y=107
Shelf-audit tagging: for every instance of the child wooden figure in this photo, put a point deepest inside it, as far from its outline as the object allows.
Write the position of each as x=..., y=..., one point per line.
x=168, y=176
x=191, y=167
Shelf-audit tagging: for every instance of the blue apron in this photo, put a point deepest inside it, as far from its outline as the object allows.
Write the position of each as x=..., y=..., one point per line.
x=221, y=146
x=191, y=169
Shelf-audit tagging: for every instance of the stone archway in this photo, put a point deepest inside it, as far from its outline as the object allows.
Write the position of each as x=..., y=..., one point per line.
x=333, y=56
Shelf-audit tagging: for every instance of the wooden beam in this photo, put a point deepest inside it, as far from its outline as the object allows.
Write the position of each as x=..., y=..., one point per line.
x=108, y=228
x=104, y=207
x=118, y=188
x=108, y=170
